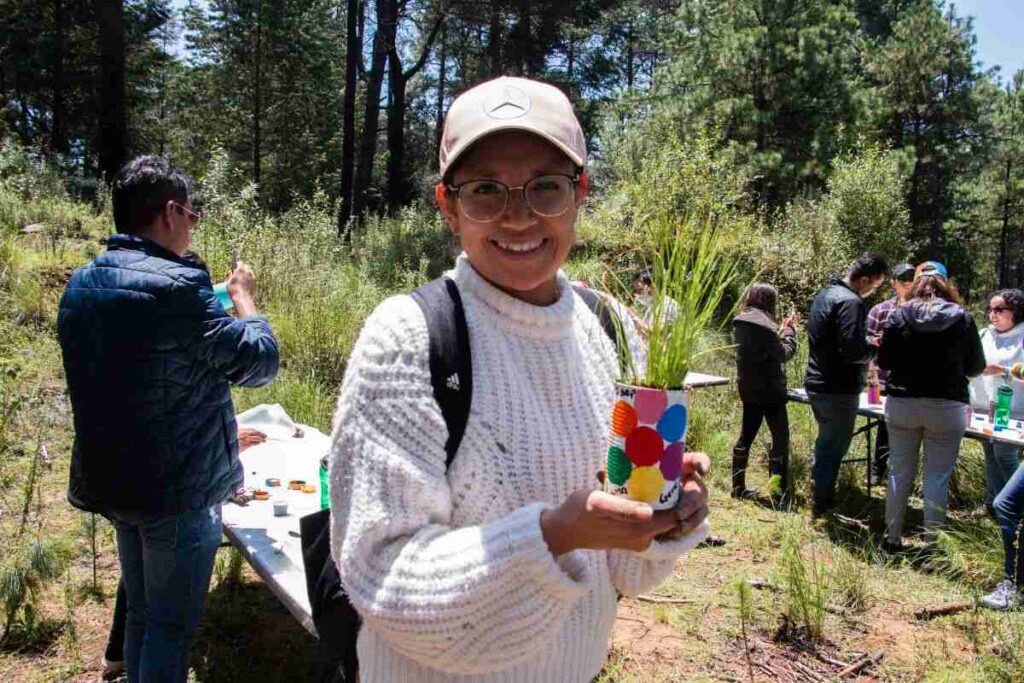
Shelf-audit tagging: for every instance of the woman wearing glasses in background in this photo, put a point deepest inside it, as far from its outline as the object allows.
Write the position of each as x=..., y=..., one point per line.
x=1001, y=341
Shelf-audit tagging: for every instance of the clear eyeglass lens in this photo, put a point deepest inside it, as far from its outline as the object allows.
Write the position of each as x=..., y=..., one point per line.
x=484, y=200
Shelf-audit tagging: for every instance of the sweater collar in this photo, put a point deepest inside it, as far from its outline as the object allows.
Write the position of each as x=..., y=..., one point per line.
x=542, y=322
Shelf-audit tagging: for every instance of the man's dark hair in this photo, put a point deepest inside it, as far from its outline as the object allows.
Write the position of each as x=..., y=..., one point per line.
x=869, y=265
x=1014, y=299
x=761, y=296
x=644, y=277
x=142, y=188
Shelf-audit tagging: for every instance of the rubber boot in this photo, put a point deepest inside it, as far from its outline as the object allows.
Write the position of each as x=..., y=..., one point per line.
x=740, y=456
x=778, y=474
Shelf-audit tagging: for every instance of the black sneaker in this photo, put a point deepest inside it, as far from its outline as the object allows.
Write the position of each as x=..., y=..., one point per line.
x=891, y=548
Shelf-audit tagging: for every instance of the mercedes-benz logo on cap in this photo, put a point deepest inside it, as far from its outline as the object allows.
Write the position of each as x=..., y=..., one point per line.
x=510, y=103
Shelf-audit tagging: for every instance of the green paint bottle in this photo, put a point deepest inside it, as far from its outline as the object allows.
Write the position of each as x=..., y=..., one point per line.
x=325, y=499
x=1004, y=396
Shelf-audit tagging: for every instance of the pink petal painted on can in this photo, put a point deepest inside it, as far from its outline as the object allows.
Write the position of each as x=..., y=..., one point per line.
x=650, y=404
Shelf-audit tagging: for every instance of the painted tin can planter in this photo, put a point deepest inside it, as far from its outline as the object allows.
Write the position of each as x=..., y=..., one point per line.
x=646, y=444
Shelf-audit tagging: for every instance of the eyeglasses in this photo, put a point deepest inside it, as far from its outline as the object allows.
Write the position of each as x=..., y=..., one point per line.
x=997, y=309
x=486, y=200
x=192, y=215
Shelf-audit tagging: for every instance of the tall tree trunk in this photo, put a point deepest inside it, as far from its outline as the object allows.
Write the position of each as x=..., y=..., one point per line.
x=630, y=56
x=494, y=39
x=371, y=111
x=58, y=136
x=113, y=113
x=441, y=76
x=1005, y=230
x=353, y=55
x=257, y=108
x=399, y=188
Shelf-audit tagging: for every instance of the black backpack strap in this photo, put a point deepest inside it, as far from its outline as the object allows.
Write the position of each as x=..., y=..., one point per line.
x=451, y=369
x=608, y=318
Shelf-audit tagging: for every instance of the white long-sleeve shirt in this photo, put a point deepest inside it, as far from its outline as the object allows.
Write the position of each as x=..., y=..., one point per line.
x=1001, y=348
x=450, y=571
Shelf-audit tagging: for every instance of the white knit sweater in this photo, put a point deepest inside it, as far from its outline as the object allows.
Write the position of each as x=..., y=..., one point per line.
x=450, y=572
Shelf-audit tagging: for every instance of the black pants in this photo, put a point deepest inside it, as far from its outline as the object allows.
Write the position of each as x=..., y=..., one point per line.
x=115, y=641
x=778, y=424
x=881, y=449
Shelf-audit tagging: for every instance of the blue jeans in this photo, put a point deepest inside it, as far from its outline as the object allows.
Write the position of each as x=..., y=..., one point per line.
x=1000, y=463
x=166, y=567
x=836, y=415
x=1009, y=505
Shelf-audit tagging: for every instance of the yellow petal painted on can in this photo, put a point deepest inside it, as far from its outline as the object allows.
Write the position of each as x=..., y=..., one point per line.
x=645, y=484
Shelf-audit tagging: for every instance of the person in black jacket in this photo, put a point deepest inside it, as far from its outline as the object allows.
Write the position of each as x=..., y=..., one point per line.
x=761, y=349
x=930, y=348
x=149, y=355
x=839, y=352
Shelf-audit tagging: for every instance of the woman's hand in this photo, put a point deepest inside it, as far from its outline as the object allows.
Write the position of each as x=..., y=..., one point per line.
x=601, y=521
x=248, y=437
x=994, y=369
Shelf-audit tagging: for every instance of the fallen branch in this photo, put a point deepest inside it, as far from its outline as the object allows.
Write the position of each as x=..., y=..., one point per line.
x=762, y=583
x=864, y=661
x=663, y=601
x=942, y=610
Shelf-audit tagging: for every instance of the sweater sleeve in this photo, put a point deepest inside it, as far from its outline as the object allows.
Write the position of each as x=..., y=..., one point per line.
x=466, y=600
x=635, y=573
x=974, y=363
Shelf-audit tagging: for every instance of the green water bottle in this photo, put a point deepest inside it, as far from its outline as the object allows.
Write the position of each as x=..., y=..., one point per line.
x=1004, y=396
x=325, y=499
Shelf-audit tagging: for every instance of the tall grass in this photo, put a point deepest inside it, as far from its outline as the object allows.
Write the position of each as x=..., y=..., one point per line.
x=690, y=279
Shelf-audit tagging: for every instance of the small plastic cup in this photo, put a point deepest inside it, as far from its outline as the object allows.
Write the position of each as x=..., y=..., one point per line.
x=281, y=508
x=220, y=290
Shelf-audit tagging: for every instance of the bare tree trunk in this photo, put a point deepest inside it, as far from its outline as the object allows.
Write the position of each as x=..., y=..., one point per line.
x=353, y=55
x=371, y=111
x=113, y=113
x=441, y=76
x=494, y=39
x=257, y=108
x=58, y=136
x=399, y=187
x=1005, y=230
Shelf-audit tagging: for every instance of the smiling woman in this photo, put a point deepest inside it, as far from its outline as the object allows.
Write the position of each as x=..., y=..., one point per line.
x=506, y=564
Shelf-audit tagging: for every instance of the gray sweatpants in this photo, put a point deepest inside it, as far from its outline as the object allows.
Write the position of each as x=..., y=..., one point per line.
x=940, y=424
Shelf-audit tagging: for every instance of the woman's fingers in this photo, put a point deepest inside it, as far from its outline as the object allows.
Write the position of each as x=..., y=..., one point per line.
x=618, y=508
x=696, y=463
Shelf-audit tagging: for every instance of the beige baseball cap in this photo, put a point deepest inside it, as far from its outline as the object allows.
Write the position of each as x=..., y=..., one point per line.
x=509, y=103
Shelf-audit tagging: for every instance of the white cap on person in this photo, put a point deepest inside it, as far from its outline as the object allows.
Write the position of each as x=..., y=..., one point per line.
x=509, y=103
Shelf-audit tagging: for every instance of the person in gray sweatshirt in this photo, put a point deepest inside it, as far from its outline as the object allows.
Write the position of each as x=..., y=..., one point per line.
x=931, y=349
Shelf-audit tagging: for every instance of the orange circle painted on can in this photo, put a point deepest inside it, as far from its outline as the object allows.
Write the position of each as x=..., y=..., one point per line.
x=623, y=419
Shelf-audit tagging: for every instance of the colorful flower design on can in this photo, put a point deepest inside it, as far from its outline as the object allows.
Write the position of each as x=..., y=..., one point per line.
x=646, y=444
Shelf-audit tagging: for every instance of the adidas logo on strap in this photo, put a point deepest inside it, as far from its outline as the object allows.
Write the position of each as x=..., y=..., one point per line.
x=453, y=381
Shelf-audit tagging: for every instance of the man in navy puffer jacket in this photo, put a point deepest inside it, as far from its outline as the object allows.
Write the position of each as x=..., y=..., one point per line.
x=149, y=354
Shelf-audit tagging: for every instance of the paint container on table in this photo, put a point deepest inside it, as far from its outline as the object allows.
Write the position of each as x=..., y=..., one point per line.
x=1004, y=397
x=325, y=499
x=220, y=290
x=646, y=444
x=280, y=508
x=874, y=395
